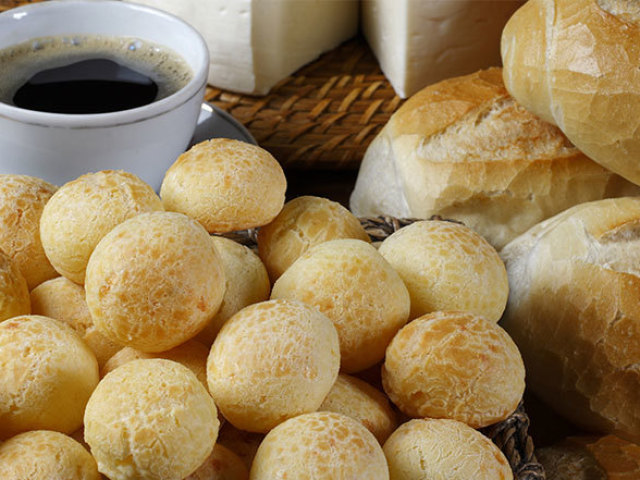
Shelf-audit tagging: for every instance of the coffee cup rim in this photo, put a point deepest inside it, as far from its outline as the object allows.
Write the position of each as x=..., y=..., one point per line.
x=121, y=117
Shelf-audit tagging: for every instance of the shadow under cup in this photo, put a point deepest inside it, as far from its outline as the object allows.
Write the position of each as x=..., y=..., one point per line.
x=144, y=140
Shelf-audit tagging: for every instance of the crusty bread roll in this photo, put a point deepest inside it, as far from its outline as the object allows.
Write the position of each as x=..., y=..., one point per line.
x=440, y=449
x=320, y=446
x=576, y=63
x=573, y=311
x=591, y=458
x=45, y=455
x=150, y=419
x=454, y=365
x=464, y=149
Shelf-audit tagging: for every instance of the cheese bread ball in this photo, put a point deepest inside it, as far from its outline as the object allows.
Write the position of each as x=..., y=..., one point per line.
x=350, y=282
x=150, y=420
x=64, y=300
x=47, y=374
x=226, y=185
x=441, y=449
x=191, y=354
x=272, y=361
x=447, y=266
x=304, y=222
x=222, y=464
x=22, y=200
x=454, y=365
x=357, y=399
x=320, y=446
x=45, y=455
x=84, y=210
x=246, y=282
x=154, y=281
x=14, y=292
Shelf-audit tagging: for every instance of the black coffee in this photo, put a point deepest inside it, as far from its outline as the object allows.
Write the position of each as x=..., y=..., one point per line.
x=88, y=74
x=89, y=86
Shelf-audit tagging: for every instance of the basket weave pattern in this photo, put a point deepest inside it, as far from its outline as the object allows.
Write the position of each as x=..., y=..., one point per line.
x=325, y=115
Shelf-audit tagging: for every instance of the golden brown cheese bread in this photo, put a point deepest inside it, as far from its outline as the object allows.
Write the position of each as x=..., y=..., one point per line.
x=226, y=185
x=440, y=449
x=22, y=201
x=454, y=365
x=150, y=419
x=320, y=446
x=14, y=291
x=465, y=149
x=44, y=455
x=576, y=64
x=47, y=374
x=272, y=361
x=573, y=311
x=84, y=210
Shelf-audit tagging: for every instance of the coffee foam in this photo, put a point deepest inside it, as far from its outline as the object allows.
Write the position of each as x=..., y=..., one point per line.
x=21, y=61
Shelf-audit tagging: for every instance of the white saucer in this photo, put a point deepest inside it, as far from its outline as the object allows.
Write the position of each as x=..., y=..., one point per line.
x=216, y=123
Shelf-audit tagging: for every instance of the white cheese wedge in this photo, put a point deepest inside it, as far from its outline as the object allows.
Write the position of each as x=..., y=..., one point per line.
x=254, y=44
x=420, y=42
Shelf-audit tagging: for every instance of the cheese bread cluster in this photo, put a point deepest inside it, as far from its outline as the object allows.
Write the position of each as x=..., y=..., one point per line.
x=158, y=349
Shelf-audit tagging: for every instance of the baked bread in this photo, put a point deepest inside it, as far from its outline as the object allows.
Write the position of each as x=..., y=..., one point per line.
x=447, y=266
x=440, y=449
x=573, y=312
x=320, y=446
x=64, y=300
x=272, y=361
x=353, y=285
x=47, y=374
x=454, y=365
x=150, y=419
x=14, y=292
x=225, y=185
x=464, y=149
x=22, y=200
x=154, y=281
x=45, y=455
x=576, y=63
x=84, y=210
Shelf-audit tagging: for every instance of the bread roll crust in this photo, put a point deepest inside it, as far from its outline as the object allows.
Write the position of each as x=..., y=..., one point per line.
x=575, y=63
x=574, y=314
x=465, y=149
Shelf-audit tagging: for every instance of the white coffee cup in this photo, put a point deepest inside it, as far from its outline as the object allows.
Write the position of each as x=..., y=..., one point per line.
x=144, y=140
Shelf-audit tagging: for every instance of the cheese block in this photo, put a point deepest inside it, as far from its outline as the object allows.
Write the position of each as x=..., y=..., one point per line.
x=253, y=44
x=421, y=42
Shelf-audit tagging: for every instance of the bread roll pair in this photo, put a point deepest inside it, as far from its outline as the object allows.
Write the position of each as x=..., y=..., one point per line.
x=465, y=149
x=573, y=311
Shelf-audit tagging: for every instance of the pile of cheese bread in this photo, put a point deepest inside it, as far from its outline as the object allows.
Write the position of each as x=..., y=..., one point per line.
x=542, y=157
x=138, y=342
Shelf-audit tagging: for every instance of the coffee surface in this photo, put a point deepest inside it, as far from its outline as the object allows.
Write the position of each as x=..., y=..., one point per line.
x=89, y=74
